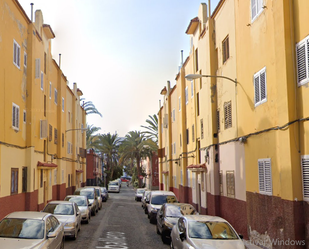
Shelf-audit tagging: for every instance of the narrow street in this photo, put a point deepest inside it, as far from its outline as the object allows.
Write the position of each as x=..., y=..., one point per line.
x=120, y=224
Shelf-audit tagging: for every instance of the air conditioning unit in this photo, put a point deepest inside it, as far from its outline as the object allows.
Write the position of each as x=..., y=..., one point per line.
x=43, y=129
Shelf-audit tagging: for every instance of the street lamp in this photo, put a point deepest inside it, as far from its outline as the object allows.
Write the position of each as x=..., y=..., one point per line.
x=198, y=76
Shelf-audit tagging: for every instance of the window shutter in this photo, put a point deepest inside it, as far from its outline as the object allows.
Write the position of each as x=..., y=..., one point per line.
x=265, y=177
x=37, y=68
x=263, y=85
x=261, y=176
x=305, y=174
x=301, y=63
x=268, y=181
x=257, y=89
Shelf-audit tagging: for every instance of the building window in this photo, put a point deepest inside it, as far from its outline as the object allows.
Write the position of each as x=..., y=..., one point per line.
x=187, y=136
x=50, y=136
x=230, y=183
x=201, y=82
x=42, y=81
x=174, y=148
x=173, y=115
x=16, y=54
x=24, y=187
x=202, y=129
x=302, y=59
x=37, y=68
x=265, y=178
x=179, y=103
x=62, y=140
x=225, y=49
x=196, y=60
x=55, y=136
x=56, y=96
x=24, y=116
x=68, y=147
x=14, y=181
x=15, y=117
x=41, y=179
x=25, y=59
x=180, y=142
x=62, y=104
x=256, y=8
x=69, y=180
x=192, y=89
x=227, y=115
x=218, y=120
x=44, y=62
x=193, y=133
x=50, y=90
x=305, y=174
x=186, y=96
x=260, y=87
x=198, y=104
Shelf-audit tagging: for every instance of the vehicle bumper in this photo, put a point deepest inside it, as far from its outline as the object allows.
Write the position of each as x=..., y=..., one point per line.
x=69, y=231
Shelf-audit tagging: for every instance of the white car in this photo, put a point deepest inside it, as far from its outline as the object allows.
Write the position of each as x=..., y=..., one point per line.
x=113, y=186
x=83, y=205
x=139, y=194
x=68, y=214
x=30, y=229
x=156, y=200
x=204, y=231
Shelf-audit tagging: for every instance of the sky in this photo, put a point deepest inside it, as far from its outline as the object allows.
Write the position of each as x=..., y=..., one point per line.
x=120, y=53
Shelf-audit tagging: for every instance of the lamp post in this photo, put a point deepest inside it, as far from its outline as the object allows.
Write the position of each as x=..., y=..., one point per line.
x=198, y=76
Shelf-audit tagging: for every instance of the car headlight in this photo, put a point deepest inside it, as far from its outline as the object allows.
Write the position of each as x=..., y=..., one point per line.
x=70, y=224
x=191, y=247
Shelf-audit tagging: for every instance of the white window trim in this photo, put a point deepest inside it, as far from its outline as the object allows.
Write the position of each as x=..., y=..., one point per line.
x=56, y=96
x=62, y=104
x=50, y=90
x=16, y=57
x=305, y=176
x=192, y=89
x=186, y=95
x=258, y=75
x=304, y=42
x=265, y=176
x=15, y=124
x=42, y=81
x=25, y=59
x=259, y=8
x=173, y=115
x=179, y=103
x=37, y=68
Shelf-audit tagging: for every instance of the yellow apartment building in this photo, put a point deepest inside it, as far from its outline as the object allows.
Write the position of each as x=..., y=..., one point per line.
x=36, y=163
x=248, y=116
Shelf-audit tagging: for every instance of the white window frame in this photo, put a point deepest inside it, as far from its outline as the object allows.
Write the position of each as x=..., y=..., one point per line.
x=25, y=60
x=192, y=89
x=37, y=68
x=173, y=115
x=188, y=178
x=179, y=103
x=265, y=176
x=50, y=90
x=186, y=95
x=42, y=81
x=62, y=104
x=302, y=61
x=305, y=176
x=256, y=8
x=258, y=84
x=56, y=96
x=16, y=54
x=15, y=117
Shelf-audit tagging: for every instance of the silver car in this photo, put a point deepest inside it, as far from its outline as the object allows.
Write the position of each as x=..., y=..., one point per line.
x=204, y=231
x=92, y=197
x=83, y=205
x=68, y=214
x=30, y=229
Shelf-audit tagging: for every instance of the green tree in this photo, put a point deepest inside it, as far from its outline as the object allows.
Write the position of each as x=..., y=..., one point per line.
x=152, y=128
x=135, y=146
x=89, y=107
x=91, y=137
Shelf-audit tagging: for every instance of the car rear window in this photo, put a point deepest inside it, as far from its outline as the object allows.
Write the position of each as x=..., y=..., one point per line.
x=161, y=199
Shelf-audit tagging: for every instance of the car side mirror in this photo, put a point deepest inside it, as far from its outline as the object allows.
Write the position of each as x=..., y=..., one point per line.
x=241, y=236
x=182, y=236
x=77, y=213
x=51, y=235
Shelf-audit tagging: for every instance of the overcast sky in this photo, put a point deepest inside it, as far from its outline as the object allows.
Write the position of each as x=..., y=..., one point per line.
x=120, y=53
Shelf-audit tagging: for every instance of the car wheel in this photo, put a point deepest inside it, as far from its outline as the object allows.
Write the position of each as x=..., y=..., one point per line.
x=75, y=235
x=157, y=229
x=146, y=211
x=93, y=213
x=164, y=238
x=87, y=221
x=152, y=220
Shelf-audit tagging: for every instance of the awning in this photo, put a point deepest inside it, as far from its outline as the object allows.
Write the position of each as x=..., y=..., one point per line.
x=79, y=171
x=41, y=165
x=197, y=167
x=164, y=172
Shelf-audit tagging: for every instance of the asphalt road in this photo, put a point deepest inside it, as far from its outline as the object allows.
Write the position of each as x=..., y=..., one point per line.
x=121, y=223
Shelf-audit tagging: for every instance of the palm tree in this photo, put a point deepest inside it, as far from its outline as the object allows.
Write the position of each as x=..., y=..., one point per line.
x=136, y=146
x=151, y=130
x=91, y=137
x=89, y=107
x=108, y=145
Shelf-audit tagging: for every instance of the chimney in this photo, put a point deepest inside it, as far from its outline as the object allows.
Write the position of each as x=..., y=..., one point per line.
x=60, y=61
x=31, y=11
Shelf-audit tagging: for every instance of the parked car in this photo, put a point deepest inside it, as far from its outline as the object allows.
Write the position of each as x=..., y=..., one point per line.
x=113, y=186
x=83, y=205
x=104, y=194
x=92, y=197
x=68, y=214
x=99, y=193
x=168, y=216
x=30, y=229
x=139, y=194
x=145, y=198
x=156, y=200
x=204, y=231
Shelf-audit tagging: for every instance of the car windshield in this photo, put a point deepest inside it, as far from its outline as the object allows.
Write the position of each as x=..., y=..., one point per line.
x=113, y=183
x=79, y=201
x=178, y=211
x=22, y=228
x=140, y=191
x=161, y=199
x=59, y=209
x=98, y=192
x=89, y=193
x=211, y=230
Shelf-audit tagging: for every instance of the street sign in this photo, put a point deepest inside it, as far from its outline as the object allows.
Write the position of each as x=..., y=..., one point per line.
x=141, y=177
